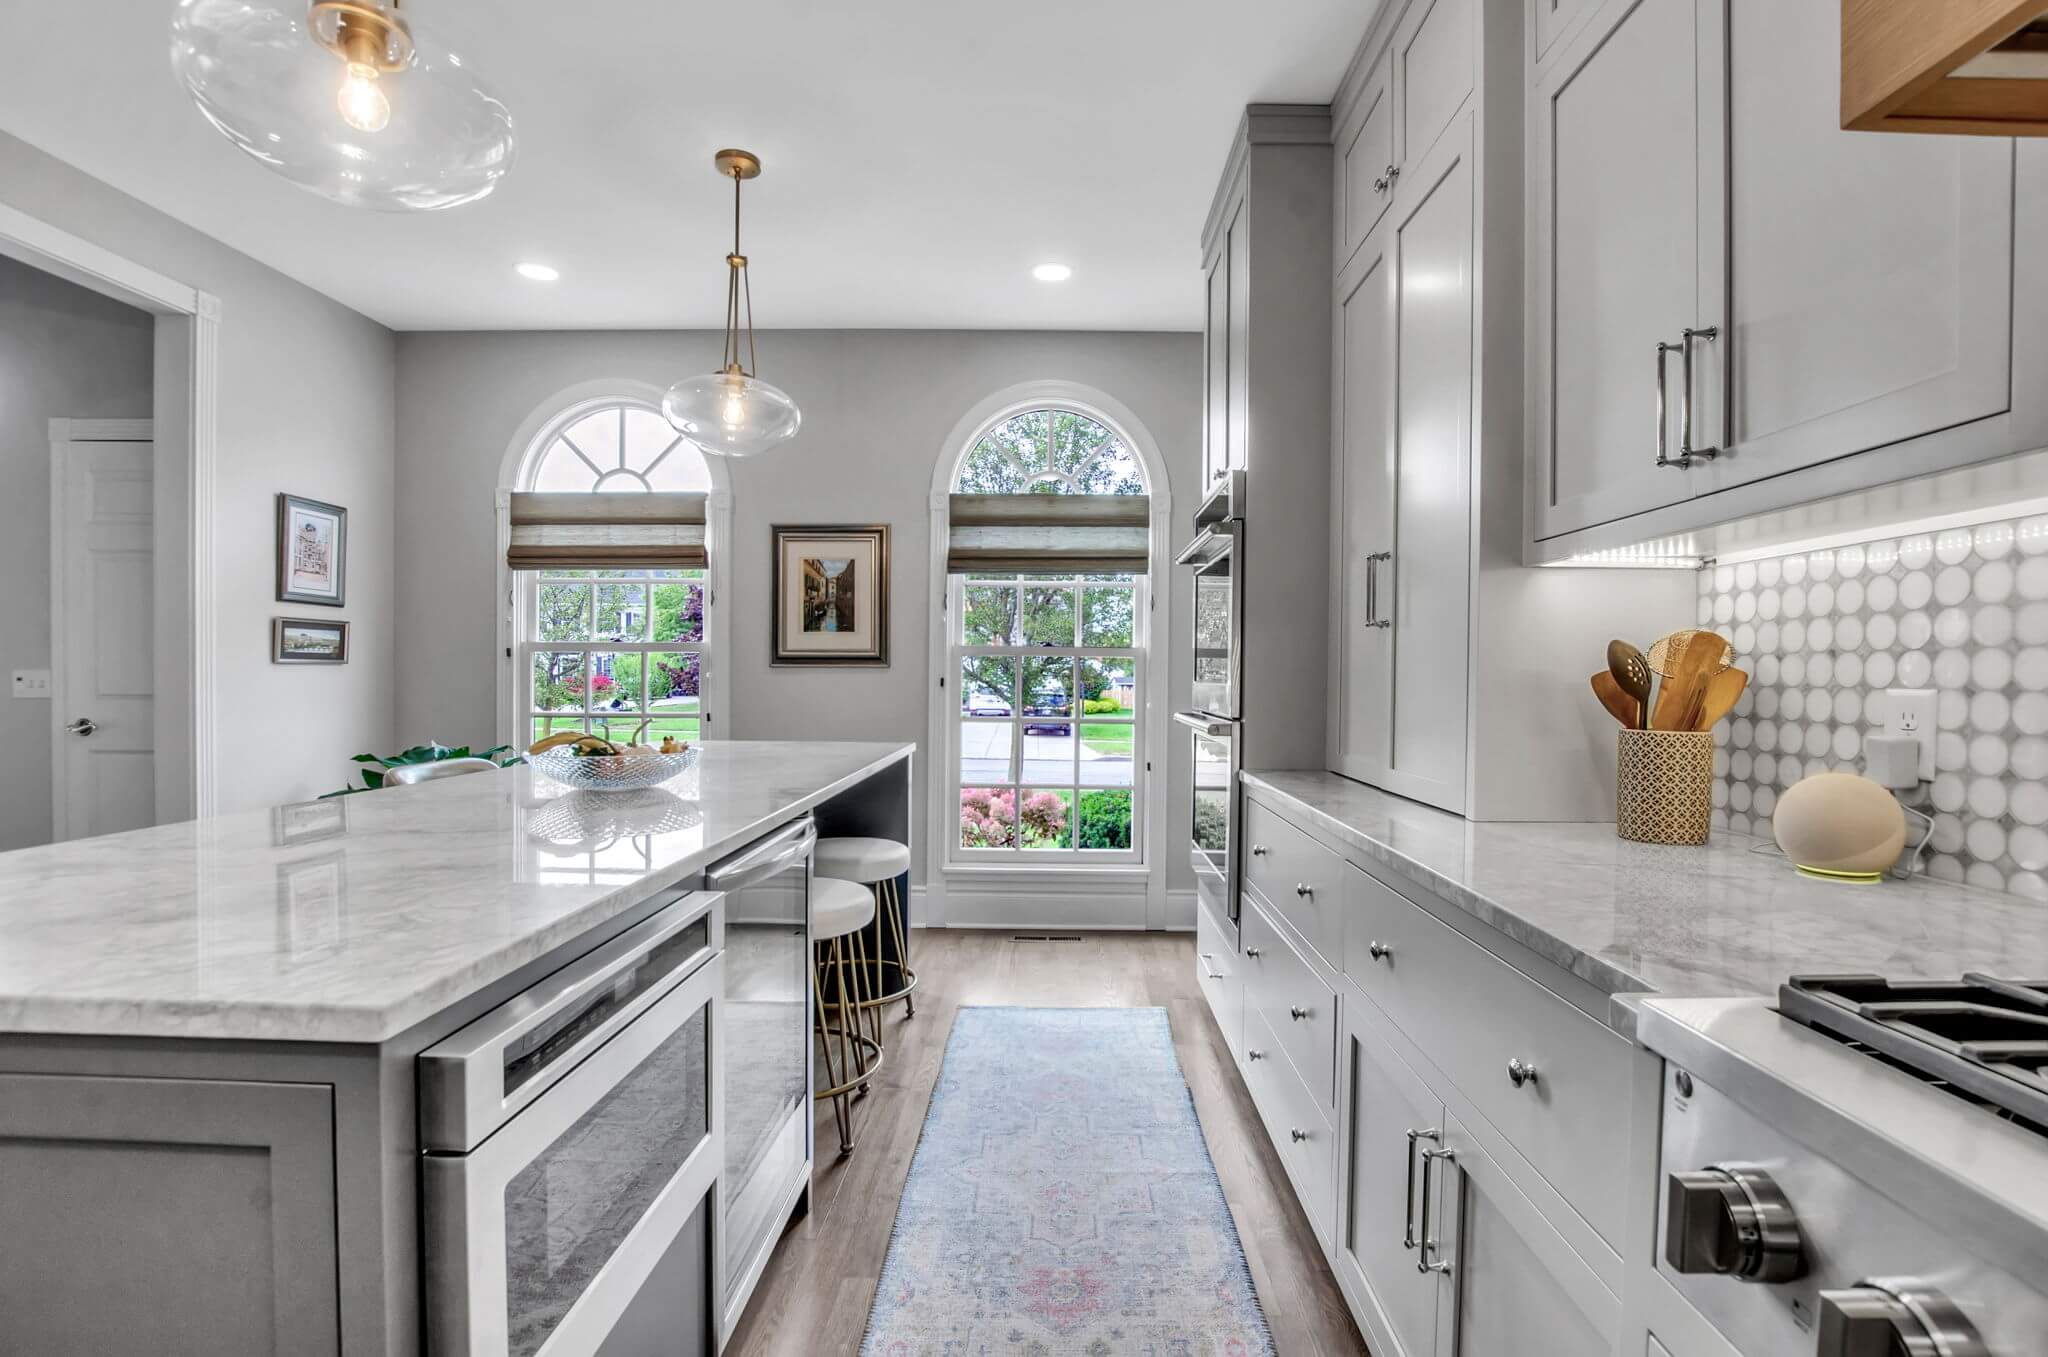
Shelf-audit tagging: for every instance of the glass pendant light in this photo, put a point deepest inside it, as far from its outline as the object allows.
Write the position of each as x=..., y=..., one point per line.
x=731, y=412
x=344, y=97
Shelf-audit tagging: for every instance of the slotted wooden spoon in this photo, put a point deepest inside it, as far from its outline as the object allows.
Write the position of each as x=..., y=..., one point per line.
x=1688, y=667
x=1632, y=675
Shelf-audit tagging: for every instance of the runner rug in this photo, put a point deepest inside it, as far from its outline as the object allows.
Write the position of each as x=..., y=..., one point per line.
x=1062, y=1201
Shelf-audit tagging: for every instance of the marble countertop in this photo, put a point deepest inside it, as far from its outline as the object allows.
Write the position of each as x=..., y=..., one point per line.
x=351, y=919
x=1723, y=919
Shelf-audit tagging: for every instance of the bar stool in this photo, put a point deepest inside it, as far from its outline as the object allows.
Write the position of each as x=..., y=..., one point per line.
x=839, y=911
x=876, y=863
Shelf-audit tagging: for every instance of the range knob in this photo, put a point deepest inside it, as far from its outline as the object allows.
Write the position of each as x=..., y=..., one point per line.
x=1895, y=1317
x=1731, y=1220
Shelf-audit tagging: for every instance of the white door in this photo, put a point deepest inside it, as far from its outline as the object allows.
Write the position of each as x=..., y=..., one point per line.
x=102, y=639
x=1616, y=254
x=1365, y=500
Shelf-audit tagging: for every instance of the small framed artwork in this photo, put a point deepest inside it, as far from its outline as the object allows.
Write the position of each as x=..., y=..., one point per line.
x=308, y=640
x=831, y=595
x=304, y=822
x=310, y=892
x=312, y=552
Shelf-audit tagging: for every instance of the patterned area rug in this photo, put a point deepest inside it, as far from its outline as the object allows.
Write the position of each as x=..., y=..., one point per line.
x=1062, y=1201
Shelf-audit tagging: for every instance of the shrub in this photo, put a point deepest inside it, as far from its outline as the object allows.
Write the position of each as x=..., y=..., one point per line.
x=1105, y=820
x=1102, y=706
x=988, y=818
x=1045, y=820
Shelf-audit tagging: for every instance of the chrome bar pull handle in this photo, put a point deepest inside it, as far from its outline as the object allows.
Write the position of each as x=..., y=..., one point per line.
x=1426, y=1244
x=1408, y=1192
x=1663, y=420
x=1372, y=589
x=1686, y=451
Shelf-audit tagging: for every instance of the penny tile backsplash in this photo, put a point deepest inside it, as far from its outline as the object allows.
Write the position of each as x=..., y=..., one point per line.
x=1823, y=634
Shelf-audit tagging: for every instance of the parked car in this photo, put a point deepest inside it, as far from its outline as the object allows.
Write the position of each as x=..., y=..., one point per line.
x=986, y=704
x=1049, y=702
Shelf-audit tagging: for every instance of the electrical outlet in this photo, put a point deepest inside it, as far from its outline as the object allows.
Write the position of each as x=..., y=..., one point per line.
x=32, y=683
x=1910, y=712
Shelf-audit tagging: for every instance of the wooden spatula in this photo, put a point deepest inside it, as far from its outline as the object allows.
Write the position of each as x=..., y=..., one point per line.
x=1703, y=655
x=1619, y=704
x=1718, y=698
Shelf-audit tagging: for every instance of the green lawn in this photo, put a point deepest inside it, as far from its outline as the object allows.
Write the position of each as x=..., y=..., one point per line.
x=1106, y=738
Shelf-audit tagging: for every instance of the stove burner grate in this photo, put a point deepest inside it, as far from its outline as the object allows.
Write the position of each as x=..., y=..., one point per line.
x=1983, y=1038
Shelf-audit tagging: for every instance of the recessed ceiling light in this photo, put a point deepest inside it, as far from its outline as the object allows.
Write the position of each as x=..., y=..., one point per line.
x=540, y=273
x=1052, y=273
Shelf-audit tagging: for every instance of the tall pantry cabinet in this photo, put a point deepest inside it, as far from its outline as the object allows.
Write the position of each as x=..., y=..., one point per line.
x=1458, y=677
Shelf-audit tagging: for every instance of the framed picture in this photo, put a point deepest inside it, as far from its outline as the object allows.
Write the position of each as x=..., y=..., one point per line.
x=831, y=595
x=308, y=640
x=310, y=892
x=312, y=551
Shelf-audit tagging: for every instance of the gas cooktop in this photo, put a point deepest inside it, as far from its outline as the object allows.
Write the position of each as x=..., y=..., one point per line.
x=1981, y=1038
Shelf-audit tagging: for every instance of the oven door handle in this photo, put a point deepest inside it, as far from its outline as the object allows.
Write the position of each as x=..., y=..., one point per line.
x=770, y=857
x=1203, y=549
x=1205, y=722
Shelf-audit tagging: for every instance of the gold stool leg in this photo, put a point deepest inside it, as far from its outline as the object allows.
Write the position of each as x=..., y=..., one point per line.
x=863, y=1011
x=840, y=1112
x=852, y=1057
x=907, y=976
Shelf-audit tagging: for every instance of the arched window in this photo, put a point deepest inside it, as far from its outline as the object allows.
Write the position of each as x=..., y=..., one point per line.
x=1048, y=754
x=618, y=651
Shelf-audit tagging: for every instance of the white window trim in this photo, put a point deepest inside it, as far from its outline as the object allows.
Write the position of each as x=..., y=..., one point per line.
x=942, y=815
x=559, y=410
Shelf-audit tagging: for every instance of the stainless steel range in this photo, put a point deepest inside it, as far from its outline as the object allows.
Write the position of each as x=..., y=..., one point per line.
x=1859, y=1169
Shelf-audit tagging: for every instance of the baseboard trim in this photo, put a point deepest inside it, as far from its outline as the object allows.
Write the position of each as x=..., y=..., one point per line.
x=1091, y=909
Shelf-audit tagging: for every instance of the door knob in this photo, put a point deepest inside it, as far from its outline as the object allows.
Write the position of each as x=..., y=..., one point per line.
x=1379, y=951
x=1297, y=1135
x=1880, y=1317
x=83, y=726
x=1298, y=1013
x=1304, y=891
x=1521, y=1072
x=1252, y=952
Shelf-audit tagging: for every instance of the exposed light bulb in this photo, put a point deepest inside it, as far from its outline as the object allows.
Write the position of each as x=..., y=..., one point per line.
x=732, y=407
x=363, y=106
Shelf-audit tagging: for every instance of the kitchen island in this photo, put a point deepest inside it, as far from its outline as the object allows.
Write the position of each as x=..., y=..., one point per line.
x=210, y=1031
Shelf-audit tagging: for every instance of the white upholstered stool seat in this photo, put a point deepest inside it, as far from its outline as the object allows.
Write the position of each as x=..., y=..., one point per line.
x=864, y=860
x=839, y=908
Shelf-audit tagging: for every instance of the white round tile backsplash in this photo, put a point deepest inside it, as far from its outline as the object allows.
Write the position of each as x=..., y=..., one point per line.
x=1823, y=634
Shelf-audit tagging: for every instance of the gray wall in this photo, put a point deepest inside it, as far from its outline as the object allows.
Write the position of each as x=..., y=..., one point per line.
x=65, y=352
x=305, y=406
x=878, y=407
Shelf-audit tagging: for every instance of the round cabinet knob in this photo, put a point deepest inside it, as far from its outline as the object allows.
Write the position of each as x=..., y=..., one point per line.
x=1252, y=952
x=1254, y=1055
x=1734, y=1221
x=1298, y=1136
x=1379, y=951
x=1258, y=850
x=1888, y=1315
x=1304, y=891
x=1379, y=185
x=1298, y=1014
x=1521, y=1072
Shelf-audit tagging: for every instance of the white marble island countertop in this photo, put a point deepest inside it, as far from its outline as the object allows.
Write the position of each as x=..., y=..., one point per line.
x=1721, y=919
x=351, y=919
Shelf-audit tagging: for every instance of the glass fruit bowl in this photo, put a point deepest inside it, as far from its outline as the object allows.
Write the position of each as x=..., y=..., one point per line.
x=611, y=772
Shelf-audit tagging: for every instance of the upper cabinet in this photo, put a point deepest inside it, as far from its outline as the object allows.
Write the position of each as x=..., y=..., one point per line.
x=1734, y=304
x=1975, y=66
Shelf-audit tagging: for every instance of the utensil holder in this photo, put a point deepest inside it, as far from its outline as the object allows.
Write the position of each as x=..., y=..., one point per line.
x=1664, y=786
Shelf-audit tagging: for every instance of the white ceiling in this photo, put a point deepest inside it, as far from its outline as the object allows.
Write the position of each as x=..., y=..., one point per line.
x=920, y=155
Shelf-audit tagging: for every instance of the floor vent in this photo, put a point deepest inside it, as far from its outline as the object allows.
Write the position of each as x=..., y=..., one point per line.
x=1045, y=937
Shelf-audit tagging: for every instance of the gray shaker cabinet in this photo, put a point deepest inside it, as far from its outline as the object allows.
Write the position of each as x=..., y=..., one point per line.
x=159, y=1217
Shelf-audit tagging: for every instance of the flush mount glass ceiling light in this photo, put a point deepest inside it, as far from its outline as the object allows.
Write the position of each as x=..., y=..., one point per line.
x=731, y=412
x=344, y=97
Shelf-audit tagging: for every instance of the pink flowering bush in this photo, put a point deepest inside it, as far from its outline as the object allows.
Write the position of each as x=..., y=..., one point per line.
x=991, y=818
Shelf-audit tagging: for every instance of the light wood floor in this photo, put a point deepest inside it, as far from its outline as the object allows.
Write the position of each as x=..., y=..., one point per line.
x=814, y=1298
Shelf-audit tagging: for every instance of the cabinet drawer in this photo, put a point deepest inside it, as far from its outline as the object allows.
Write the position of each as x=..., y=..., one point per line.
x=1279, y=984
x=1299, y=1129
x=1216, y=972
x=1303, y=881
x=1471, y=1013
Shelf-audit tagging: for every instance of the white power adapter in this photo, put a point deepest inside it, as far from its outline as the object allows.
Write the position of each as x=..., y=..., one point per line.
x=1893, y=760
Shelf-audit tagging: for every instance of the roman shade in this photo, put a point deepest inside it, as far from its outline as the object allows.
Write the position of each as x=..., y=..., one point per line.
x=606, y=531
x=1049, y=534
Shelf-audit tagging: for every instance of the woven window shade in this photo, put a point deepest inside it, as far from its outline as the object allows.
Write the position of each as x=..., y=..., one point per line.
x=1049, y=534
x=606, y=531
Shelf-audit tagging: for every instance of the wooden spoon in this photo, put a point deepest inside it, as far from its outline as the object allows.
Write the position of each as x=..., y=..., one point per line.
x=1703, y=655
x=1719, y=697
x=1632, y=675
x=1619, y=704
x=1666, y=651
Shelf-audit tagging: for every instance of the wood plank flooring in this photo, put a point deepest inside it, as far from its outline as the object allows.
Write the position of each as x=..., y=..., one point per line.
x=814, y=1297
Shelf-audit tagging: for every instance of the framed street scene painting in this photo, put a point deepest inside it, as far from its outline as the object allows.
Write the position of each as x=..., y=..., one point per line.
x=831, y=595
x=308, y=640
x=312, y=551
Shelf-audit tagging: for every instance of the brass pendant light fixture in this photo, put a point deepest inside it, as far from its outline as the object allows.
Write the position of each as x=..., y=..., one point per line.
x=731, y=412
x=347, y=98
